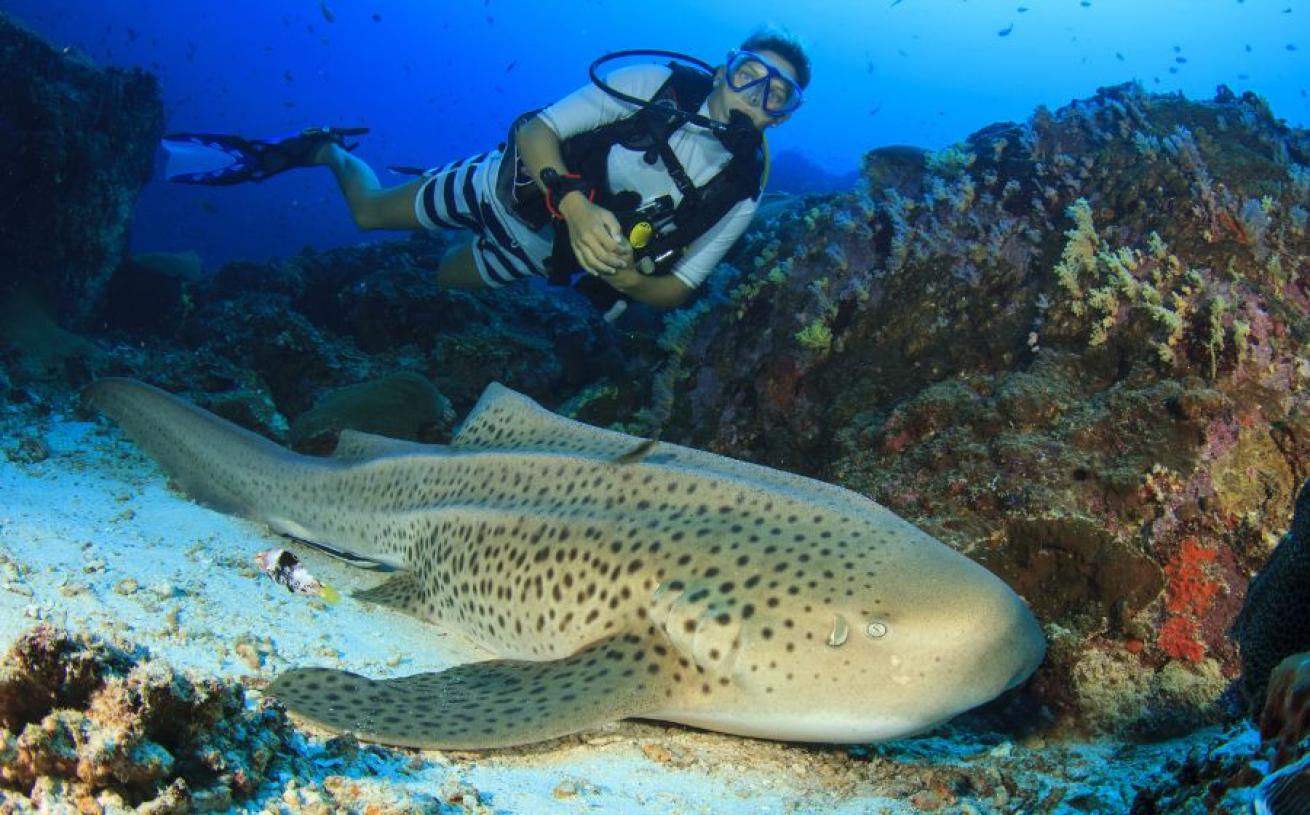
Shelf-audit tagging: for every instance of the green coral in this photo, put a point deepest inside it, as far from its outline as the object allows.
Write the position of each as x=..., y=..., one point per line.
x=816, y=336
x=1079, y=256
x=950, y=162
x=1215, y=337
x=745, y=292
x=1241, y=338
x=1104, y=283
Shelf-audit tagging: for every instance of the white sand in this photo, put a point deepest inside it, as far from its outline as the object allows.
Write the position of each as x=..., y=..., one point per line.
x=92, y=539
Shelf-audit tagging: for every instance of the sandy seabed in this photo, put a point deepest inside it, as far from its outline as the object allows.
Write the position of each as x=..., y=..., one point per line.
x=92, y=540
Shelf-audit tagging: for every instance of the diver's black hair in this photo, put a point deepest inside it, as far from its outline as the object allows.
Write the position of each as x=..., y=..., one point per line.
x=786, y=45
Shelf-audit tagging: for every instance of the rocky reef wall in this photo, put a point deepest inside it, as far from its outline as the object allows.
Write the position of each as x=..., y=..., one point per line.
x=78, y=143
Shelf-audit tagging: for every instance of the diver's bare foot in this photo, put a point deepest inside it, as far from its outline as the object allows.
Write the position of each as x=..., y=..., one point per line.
x=324, y=154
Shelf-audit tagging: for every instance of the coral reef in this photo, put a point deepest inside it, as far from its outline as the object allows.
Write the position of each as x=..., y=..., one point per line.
x=84, y=141
x=1275, y=617
x=85, y=721
x=89, y=726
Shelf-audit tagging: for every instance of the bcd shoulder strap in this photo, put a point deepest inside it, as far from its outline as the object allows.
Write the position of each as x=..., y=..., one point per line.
x=648, y=131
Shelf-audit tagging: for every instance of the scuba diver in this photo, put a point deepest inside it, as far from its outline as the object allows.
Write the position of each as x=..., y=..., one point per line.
x=641, y=180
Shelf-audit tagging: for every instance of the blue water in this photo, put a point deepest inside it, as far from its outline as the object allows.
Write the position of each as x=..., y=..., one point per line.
x=440, y=80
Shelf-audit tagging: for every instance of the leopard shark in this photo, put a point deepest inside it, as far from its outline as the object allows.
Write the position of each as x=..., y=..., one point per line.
x=611, y=577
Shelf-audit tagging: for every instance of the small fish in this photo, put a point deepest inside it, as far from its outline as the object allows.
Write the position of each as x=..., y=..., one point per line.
x=1021, y=9
x=874, y=110
x=1119, y=56
x=895, y=3
x=1005, y=32
x=1180, y=60
x=1243, y=76
x=1248, y=48
x=1178, y=49
x=1173, y=69
x=377, y=18
x=1086, y=3
x=1291, y=46
x=511, y=65
x=326, y=11
x=286, y=570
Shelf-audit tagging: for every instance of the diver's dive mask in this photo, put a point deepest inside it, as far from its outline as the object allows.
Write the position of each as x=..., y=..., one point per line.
x=762, y=83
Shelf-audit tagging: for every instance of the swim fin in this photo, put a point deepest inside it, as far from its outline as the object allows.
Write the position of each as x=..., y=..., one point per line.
x=220, y=159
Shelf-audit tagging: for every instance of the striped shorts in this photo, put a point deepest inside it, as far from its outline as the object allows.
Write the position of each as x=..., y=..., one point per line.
x=456, y=196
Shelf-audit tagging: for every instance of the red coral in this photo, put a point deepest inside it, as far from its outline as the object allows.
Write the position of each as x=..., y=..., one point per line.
x=894, y=444
x=1190, y=591
x=1178, y=639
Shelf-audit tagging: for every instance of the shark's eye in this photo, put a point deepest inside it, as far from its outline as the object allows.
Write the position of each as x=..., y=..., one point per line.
x=876, y=630
x=840, y=630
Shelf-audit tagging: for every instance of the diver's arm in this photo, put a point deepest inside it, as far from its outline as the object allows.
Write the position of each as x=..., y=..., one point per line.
x=593, y=230
x=660, y=291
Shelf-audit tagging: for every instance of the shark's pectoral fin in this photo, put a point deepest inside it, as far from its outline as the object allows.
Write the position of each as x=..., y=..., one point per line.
x=403, y=592
x=499, y=703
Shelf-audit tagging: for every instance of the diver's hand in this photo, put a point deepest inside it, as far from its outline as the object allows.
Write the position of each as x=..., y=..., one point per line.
x=595, y=235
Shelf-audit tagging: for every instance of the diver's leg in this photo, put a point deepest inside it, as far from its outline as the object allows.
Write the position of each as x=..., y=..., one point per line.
x=371, y=206
x=458, y=269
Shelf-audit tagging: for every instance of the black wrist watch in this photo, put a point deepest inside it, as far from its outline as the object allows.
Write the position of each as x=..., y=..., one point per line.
x=559, y=185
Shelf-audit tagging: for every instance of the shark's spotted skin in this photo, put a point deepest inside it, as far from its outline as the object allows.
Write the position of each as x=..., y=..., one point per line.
x=615, y=578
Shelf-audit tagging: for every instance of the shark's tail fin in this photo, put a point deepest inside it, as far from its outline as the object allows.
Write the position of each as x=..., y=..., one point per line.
x=214, y=461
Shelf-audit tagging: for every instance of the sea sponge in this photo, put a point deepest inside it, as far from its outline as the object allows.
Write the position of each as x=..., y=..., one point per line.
x=1275, y=617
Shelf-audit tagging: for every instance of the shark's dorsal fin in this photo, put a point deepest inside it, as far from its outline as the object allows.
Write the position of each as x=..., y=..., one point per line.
x=356, y=445
x=506, y=419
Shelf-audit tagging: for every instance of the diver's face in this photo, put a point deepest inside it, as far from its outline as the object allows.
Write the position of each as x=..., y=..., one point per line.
x=750, y=101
